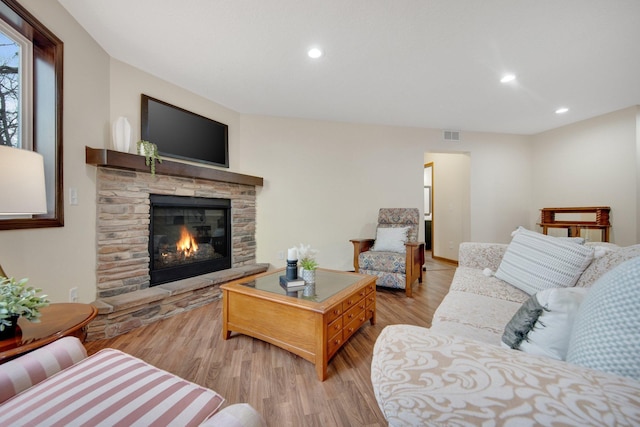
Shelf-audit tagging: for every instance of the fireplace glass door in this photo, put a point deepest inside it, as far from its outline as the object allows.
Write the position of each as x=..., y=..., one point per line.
x=189, y=236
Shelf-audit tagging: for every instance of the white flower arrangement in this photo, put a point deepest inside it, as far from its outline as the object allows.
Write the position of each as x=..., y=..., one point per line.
x=307, y=257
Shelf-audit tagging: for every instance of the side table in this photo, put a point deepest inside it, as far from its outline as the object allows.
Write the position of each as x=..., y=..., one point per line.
x=57, y=321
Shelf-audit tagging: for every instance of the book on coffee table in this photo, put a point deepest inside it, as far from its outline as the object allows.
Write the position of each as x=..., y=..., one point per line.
x=291, y=284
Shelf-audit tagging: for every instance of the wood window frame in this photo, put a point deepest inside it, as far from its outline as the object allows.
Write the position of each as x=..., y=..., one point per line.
x=47, y=111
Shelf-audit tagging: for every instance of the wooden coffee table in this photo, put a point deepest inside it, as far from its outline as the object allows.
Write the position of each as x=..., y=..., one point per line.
x=312, y=323
x=57, y=321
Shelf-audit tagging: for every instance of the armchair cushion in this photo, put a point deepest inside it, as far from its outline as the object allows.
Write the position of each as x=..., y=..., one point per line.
x=28, y=370
x=392, y=262
x=391, y=239
x=400, y=217
x=111, y=387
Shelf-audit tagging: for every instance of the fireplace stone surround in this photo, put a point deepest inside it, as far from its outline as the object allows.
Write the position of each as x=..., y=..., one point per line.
x=123, y=187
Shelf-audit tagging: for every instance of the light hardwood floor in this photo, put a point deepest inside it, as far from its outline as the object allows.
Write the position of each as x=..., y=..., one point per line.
x=280, y=385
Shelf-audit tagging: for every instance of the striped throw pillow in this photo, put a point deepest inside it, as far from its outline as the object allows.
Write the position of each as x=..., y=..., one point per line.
x=534, y=262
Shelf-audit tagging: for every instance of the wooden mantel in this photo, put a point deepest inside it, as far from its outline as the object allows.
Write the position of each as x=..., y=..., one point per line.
x=118, y=160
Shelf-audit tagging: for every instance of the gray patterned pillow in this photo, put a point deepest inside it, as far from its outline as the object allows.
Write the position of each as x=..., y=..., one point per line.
x=606, y=333
x=534, y=262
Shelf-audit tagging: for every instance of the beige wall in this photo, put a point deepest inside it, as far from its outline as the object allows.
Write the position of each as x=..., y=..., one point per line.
x=324, y=181
x=57, y=259
x=591, y=163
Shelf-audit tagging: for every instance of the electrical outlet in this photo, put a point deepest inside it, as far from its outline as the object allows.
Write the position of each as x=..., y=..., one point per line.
x=73, y=295
x=450, y=245
x=280, y=254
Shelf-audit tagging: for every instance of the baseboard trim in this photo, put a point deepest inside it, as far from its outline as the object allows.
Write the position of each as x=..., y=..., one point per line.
x=451, y=261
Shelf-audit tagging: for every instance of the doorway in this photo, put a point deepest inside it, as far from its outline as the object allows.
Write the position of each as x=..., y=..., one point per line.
x=450, y=210
x=428, y=206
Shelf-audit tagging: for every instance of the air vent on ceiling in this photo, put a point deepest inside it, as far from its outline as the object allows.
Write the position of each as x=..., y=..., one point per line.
x=451, y=135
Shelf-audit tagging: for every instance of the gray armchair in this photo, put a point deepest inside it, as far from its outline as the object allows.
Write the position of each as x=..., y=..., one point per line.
x=396, y=256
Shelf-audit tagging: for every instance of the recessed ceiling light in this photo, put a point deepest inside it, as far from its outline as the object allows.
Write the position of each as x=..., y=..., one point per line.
x=508, y=78
x=314, y=53
x=562, y=110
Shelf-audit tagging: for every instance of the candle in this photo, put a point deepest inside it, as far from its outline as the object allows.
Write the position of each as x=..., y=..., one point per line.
x=292, y=254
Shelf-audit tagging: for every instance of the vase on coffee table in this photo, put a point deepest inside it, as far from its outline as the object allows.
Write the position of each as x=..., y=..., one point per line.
x=309, y=276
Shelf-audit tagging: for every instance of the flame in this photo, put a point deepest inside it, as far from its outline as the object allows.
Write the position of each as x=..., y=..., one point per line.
x=187, y=244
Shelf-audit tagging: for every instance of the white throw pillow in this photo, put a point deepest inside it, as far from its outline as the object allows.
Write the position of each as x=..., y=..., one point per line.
x=534, y=262
x=391, y=239
x=548, y=333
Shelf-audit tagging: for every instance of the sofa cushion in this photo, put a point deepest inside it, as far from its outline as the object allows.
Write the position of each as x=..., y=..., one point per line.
x=613, y=255
x=474, y=316
x=391, y=239
x=543, y=323
x=606, y=334
x=111, y=387
x=534, y=261
x=481, y=255
x=472, y=280
x=423, y=378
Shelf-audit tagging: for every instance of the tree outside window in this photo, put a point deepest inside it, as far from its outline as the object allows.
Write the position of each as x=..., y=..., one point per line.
x=9, y=91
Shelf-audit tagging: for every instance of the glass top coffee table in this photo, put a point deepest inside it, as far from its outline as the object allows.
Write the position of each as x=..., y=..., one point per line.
x=312, y=322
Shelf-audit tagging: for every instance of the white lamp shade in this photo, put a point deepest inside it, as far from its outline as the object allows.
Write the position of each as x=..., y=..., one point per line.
x=22, y=187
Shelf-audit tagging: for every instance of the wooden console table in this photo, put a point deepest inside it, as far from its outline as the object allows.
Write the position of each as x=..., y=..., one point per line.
x=57, y=321
x=549, y=220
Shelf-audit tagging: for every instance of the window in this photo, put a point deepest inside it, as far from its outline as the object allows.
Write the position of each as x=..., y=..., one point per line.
x=31, y=102
x=15, y=88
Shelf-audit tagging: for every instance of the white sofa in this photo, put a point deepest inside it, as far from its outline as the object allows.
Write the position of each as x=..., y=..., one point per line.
x=58, y=385
x=458, y=372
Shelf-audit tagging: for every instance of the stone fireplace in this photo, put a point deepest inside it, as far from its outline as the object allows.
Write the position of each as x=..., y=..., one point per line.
x=131, y=290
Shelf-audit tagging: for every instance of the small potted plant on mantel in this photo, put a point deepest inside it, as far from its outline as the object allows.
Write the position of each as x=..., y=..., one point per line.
x=150, y=152
x=16, y=300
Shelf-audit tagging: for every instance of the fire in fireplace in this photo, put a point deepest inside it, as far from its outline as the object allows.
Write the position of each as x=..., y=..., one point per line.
x=188, y=236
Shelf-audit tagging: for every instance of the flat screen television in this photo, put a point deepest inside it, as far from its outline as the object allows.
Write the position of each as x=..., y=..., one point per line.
x=181, y=134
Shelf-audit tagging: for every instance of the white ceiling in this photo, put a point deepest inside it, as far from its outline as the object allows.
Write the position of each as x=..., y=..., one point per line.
x=423, y=63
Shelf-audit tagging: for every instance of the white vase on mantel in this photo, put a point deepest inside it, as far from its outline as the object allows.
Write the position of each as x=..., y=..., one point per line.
x=121, y=134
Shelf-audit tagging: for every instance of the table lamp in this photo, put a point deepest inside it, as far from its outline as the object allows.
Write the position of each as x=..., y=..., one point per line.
x=22, y=187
